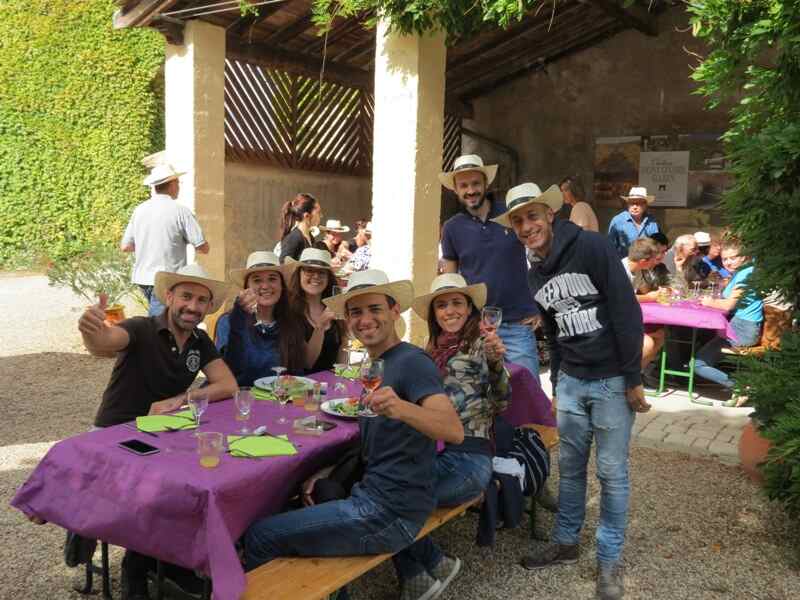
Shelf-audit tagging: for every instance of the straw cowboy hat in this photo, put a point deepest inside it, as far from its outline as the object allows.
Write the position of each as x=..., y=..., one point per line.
x=335, y=226
x=447, y=283
x=372, y=281
x=639, y=193
x=468, y=162
x=193, y=273
x=702, y=238
x=162, y=174
x=310, y=257
x=526, y=194
x=260, y=260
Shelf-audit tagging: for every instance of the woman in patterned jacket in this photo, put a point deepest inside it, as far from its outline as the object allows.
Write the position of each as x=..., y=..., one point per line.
x=475, y=379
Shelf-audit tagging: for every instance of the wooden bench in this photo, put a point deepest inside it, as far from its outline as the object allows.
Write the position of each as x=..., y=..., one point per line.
x=314, y=578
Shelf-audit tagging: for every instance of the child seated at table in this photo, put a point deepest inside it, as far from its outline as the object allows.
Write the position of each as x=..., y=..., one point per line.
x=748, y=314
x=643, y=255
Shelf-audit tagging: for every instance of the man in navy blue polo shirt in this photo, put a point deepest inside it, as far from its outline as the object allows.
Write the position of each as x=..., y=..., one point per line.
x=485, y=252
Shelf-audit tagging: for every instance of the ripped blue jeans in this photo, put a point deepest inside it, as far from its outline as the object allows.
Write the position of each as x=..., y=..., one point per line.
x=593, y=409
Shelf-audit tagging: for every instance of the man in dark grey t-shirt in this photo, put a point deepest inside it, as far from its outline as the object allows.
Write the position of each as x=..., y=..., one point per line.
x=389, y=506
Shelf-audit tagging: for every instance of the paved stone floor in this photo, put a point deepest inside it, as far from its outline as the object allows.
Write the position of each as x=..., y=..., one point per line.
x=675, y=423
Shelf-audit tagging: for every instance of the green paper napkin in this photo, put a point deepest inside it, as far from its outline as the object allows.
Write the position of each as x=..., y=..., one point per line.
x=350, y=373
x=260, y=394
x=250, y=446
x=153, y=423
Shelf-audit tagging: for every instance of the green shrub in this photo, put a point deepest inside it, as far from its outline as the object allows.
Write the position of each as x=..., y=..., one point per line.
x=102, y=269
x=79, y=109
x=755, y=61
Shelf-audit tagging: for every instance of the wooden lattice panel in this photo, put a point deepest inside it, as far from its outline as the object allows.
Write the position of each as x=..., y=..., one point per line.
x=294, y=121
x=297, y=122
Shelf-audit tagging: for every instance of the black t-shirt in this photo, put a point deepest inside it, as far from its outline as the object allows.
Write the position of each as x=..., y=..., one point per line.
x=151, y=368
x=293, y=244
x=331, y=342
x=352, y=245
x=399, y=459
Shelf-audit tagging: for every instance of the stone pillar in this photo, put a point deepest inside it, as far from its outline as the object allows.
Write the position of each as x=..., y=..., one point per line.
x=407, y=157
x=195, y=117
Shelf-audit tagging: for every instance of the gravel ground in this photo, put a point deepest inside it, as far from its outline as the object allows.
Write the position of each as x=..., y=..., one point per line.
x=698, y=529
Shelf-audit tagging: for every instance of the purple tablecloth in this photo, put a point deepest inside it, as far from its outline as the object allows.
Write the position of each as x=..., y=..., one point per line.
x=529, y=403
x=166, y=505
x=688, y=314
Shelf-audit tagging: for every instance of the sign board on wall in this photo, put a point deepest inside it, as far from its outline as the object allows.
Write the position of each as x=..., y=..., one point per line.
x=666, y=176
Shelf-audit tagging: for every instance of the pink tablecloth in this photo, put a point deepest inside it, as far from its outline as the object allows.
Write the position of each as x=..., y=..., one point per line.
x=166, y=505
x=529, y=403
x=688, y=314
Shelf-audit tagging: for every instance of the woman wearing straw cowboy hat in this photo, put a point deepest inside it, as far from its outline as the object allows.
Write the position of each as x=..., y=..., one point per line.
x=263, y=332
x=633, y=222
x=389, y=506
x=310, y=280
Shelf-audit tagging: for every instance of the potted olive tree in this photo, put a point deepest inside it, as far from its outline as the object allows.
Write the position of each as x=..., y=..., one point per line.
x=99, y=270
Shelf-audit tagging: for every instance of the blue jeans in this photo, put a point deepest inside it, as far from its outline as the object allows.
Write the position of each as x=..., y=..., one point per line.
x=520, y=343
x=747, y=334
x=593, y=409
x=355, y=526
x=460, y=476
x=156, y=307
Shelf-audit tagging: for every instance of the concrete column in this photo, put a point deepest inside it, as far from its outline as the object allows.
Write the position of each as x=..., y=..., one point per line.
x=195, y=117
x=407, y=156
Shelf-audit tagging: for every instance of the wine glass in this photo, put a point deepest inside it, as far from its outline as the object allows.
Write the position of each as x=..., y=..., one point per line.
x=244, y=403
x=198, y=403
x=491, y=318
x=281, y=392
x=278, y=372
x=339, y=370
x=371, y=374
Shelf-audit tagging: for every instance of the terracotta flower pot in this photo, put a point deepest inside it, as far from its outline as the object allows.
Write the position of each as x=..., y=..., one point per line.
x=115, y=314
x=753, y=451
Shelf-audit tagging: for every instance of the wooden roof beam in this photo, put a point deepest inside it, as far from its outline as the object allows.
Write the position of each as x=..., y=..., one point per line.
x=241, y=25
x=635, y=17
x=293, y=29
x=141, y=13
x=267, y=55
x=520, y=67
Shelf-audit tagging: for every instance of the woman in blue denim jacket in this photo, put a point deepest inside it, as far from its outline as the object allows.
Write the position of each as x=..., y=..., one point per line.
x=260, y=332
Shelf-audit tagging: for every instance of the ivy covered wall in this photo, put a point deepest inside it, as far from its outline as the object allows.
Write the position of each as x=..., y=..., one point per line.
x=80, y=105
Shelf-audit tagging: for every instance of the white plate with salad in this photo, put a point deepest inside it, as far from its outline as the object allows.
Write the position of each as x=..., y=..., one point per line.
x=346, y=408
x=294, y=383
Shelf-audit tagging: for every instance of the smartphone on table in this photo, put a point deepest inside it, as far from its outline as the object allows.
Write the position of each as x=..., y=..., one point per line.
x=138, y=447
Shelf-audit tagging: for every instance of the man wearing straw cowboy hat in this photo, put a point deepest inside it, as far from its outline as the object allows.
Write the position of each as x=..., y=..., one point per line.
x=633, y=222
x=158, y=358
x=594, y=325
x=158, y=232
x=485, y=252
x=388, y=507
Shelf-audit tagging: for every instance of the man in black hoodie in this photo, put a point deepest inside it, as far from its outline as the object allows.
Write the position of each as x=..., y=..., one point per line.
x=594, y=327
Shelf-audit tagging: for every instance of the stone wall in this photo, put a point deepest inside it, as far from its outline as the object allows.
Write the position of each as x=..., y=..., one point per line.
x=630, y=84
x=254, y=196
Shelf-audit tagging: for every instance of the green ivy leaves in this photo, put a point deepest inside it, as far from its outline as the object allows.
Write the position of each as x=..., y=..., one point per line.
x=78, y=112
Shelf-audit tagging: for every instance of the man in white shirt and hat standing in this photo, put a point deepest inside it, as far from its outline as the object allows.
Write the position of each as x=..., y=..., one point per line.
x=158, y=232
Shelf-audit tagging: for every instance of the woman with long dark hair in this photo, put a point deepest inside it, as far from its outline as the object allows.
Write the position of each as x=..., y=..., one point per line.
x=475, y=379
x=310, y=280
x=298, y=216
x=263, y=332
